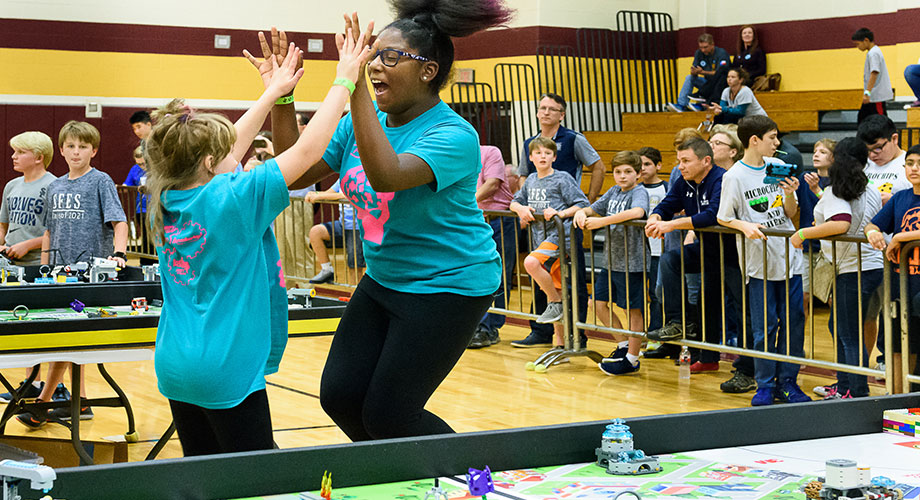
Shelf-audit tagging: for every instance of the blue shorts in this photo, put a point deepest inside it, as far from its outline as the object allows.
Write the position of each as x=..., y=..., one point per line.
x=618, y=282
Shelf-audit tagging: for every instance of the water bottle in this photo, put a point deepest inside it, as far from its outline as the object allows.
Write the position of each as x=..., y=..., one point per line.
x=684, y=363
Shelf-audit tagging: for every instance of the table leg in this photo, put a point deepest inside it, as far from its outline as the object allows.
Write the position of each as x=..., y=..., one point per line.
x=75, y=402
x=131, y=435
x=162, y=441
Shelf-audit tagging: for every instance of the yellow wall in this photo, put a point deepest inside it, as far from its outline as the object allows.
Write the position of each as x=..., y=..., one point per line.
x=834, y=69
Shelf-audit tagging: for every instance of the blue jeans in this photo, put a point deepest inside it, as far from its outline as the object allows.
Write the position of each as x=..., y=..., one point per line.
x=912, y=75
x=848, y=342
x=654, y=304
x=694, y=261
x=768, y=372
x=505, y=234
x=683, y=98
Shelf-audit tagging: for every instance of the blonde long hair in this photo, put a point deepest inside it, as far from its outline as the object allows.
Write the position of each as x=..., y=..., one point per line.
x=178, y=144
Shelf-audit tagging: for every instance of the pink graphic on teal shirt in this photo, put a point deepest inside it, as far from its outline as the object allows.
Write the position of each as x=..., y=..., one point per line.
x=183, y=245
x=373, y=208
x=281, y=274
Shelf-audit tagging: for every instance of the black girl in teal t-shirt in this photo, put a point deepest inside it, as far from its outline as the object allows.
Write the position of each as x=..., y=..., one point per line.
x=409, y=165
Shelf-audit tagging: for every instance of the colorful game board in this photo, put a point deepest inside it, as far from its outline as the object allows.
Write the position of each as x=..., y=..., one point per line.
x=775, y=471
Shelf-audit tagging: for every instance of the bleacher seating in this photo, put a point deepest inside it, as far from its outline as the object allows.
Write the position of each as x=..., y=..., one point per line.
x=793, y=111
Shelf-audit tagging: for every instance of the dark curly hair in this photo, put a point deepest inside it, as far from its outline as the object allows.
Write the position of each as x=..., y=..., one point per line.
x=846, y=173
x=428, y=26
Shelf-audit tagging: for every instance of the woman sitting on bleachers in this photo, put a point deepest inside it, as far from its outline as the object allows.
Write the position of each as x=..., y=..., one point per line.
x=737, y=100
x=750, y=56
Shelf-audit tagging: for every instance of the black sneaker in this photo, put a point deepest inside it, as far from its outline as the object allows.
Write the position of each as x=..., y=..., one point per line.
x=30, y=392
x=86, y=413
x=493, y=336
x=671, y=331
x=33, y=420
x=738, y=383
x=663, y=351
x=480, y=339
x=533, y=340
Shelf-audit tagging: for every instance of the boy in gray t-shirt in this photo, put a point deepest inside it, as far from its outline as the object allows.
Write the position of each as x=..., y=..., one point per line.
x=84, y=219
x=876, y=82
x=550, y=193
x=628, y=254
x=23, y=205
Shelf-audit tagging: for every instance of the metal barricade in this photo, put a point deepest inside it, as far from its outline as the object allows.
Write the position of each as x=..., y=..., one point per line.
x=812, y=357
x=294, y=230
x=140, y=238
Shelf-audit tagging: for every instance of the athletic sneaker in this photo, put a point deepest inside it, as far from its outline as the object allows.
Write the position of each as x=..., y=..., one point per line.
x=618, y=353
x=695, y=99
x=763, y=397
x=663, y=351
x=672, y=331
x=738, y=383
x=552, y=314
x=700, y=367
x=33, y=420
x=824, y=390
x=324, y=276
x=675, y=108
x=31, y=392
x=86, y=413
x=493, y=336
x=480, y=339
x=790, y=392
x=619, y=366
x=533, y=340
x=694, y=107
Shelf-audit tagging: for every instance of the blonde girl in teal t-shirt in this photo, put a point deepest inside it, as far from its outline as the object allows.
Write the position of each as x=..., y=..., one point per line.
x=224, y=319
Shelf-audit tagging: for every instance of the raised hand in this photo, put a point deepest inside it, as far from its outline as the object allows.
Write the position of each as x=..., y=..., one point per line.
x=351, y=22
x=284, y=77
x=353, y=54
x=813, y=179
x=278, y=50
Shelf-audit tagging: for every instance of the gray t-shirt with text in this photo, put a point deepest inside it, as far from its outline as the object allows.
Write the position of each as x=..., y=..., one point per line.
x=557, y=190
x=22, y=209
x=78, y=216
x=621, y=239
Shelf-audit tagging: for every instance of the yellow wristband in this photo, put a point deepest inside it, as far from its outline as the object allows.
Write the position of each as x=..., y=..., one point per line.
x=288, y=99
x=345, y=82
x=802, y=234
x=870, y=232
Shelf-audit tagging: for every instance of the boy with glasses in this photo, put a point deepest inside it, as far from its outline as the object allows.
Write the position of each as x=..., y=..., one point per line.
x=885, y=168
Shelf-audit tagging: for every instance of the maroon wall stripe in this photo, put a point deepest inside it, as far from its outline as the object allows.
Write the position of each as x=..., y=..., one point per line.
x=786, y=36
x=812, y=34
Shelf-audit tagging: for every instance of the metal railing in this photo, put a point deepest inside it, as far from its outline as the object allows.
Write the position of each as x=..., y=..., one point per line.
x=140, y=238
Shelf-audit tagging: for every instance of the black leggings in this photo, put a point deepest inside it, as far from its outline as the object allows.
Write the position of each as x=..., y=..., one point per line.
x=245, y=427
x=389, y=354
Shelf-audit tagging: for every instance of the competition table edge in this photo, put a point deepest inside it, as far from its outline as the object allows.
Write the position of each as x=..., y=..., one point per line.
x=284, y=471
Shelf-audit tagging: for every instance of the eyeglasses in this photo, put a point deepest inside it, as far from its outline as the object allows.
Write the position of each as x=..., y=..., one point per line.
x=390, y=57
x=716, y=142
x=878, y=148
x=547, y=109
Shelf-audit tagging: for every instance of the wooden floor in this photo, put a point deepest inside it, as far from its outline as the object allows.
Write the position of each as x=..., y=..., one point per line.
x=489, y=389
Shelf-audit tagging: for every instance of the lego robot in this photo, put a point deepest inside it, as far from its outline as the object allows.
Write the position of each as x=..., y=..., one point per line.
x=14, y=474
x=618, y=455
x=8, y=270
x=845, y=481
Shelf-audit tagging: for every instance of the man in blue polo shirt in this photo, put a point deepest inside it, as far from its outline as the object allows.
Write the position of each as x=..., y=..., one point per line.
x=572, y=155
x=708, y=72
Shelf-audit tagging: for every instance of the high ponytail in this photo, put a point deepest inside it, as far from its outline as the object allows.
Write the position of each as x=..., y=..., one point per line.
x=180, y=140
x=428, y=25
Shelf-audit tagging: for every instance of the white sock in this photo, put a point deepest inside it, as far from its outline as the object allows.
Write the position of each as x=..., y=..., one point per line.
x=326, y=266
x=632, y=358
x=37, y=384
x=625, y=343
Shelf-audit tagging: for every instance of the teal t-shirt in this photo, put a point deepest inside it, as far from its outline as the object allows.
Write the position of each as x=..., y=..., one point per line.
x=431, y=238
x=223, y=326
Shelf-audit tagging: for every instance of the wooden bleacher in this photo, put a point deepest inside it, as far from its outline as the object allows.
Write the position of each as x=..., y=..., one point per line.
x=913, y=118
x=795, y=111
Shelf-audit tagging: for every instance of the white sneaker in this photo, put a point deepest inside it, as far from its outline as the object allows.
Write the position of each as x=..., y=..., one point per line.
x=323, y=276
x=552, y=314
x=675, y=108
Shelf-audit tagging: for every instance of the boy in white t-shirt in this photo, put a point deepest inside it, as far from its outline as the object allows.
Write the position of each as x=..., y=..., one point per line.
x=748, y=204
x=885, y=168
